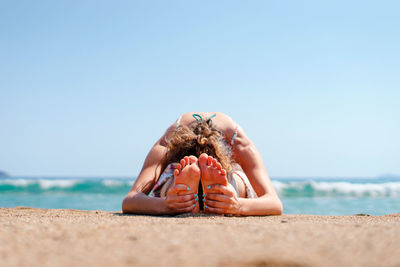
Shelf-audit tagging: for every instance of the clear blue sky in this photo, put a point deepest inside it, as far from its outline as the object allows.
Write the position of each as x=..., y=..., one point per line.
x=86, y=87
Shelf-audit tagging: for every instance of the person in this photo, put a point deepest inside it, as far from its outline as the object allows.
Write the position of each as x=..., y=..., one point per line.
x=204, y=162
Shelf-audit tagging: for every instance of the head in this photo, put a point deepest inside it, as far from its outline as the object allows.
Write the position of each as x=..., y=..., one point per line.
x=201, y=137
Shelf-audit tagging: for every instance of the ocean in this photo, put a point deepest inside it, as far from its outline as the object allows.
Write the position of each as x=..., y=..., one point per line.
x=322, y=196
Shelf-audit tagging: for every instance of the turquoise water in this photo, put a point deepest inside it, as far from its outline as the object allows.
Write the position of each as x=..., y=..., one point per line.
x=375, y=196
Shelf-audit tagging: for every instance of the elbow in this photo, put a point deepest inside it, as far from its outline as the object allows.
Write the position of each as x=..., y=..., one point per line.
x=127, y=203
x=278, y=208
x=125, y=209
x=275, y=206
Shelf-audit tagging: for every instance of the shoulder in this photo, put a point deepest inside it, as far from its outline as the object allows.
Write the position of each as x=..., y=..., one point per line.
x=241, y=137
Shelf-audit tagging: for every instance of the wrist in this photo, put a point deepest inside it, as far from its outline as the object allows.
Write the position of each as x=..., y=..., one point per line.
x=241, y=211
x=164, y=206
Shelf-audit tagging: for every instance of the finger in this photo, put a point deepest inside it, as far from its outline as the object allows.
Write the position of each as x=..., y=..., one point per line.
x=182, y=205
x=183, y=210
x=180, y=192
x=217, y=204
x=214, y=210
x=219, y=188
x=219, y=197
x=215, y=189
x=180, y=187
x=180, y=199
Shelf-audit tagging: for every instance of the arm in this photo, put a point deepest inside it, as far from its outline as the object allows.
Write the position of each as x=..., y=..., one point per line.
x=223, y=199
x=249, y=158
x=137, y=200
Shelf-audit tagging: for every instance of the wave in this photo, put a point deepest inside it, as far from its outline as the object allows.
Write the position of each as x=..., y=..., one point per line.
x=336, y=189
x=65, y=185
x=287, y=189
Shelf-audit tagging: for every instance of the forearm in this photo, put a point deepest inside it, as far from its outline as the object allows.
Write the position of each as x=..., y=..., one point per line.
x=140, y=203
x=264, y=205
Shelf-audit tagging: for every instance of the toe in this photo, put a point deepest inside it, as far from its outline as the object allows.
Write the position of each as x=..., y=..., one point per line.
x=179, y=167
x=183, y=162
x=218, y=165
x=203, y=159
x=176, y=172
x=186, y=158
x=192, y=159
x=209, y=161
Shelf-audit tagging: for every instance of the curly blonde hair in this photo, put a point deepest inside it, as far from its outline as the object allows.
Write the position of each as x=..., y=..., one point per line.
x=200, y=138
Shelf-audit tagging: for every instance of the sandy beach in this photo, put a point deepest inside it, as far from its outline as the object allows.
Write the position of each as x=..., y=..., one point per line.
x=40, y=237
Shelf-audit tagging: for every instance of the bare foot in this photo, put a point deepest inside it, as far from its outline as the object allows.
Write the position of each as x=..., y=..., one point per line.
x=188, y=173
x=211, y=172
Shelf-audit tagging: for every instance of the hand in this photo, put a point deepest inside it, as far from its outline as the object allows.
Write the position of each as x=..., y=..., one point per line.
x=178, y=200
x=222, y=200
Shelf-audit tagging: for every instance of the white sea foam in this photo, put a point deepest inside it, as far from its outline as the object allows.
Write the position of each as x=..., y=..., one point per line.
x=279, y=186
x=390, y=189
x=112, y=183
x=17, y=182
x=46, y=184
x=301, y=188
